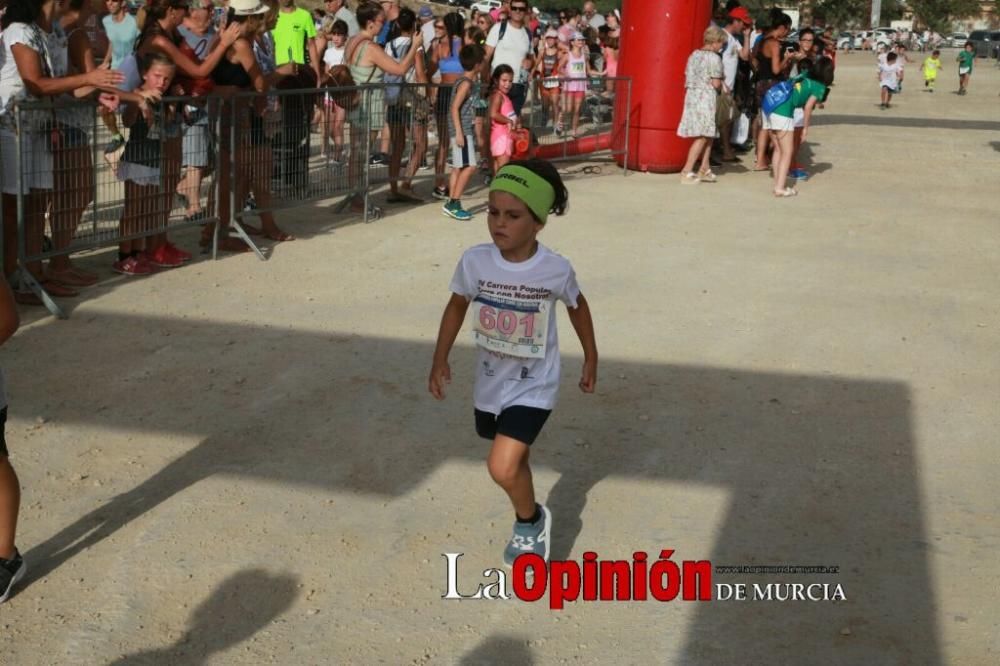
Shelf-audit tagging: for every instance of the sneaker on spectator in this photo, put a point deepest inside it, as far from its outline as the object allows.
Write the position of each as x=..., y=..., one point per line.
x=11, y=571
x=424, y=166
x=799, y=174
x=180, y=254
x=117, y=141
x=440, y=193
x=459, y=213
x=377, y=159
x=162, y=257
x=530, y=538
x=132, y=266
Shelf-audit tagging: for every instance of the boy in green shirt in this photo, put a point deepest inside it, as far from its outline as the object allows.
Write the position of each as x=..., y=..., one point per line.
x=965, y=60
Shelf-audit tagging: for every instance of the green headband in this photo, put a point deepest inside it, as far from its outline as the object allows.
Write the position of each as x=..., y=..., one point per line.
x=536, y=192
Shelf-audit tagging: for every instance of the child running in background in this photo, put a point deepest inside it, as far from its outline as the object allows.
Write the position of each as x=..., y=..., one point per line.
x=150, y=168
x=461, y=129
x=932, y=64
x=901, y=60
x=503, y=120
x=965, y=59
x=888, y=78
x=512, y=285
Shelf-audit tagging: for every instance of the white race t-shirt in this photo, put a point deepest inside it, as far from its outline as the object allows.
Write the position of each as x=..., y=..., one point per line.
x=512, y=50
x=730, y=61
x=514, y=324
x=333, y=56
x=888, y=75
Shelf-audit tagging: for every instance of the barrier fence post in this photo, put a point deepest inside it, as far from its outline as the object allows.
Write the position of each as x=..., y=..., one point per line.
x=24, y=275
x=628, y=118
x=235, y=151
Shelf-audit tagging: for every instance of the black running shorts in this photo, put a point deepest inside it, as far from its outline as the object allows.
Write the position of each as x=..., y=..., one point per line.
x=517, y=422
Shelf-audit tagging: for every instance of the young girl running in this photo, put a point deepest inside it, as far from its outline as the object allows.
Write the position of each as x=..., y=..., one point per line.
x=512, y=285
x=502, y=117
x=577, y=69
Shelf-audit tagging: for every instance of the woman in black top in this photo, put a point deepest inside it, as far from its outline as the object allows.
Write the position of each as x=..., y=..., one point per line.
x=771, y=65
x=238, y=71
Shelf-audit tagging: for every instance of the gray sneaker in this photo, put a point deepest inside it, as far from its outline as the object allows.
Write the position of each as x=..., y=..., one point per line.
x=530, y=538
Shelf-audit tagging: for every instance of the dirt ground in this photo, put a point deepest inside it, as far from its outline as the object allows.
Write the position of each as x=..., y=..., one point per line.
x=238, y=462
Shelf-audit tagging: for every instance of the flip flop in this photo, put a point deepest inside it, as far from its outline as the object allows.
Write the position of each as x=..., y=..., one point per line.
x=760, y=168
x=787, y=192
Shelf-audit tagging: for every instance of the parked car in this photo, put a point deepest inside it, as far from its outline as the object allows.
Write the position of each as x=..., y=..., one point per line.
x=486, y=5
x=849, y=40
x=956, y=39
x=986, y=43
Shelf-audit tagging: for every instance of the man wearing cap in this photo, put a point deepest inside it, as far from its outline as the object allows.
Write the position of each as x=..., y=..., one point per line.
x=511, y=49
x=426, y=16
x=294, y=36
x=738, y=22
x=339, y=12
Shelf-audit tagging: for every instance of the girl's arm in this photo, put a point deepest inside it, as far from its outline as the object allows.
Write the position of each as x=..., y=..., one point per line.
x=584, y=326
x=29, y=65
x=451, y=324
x=807, y=111
x=496, y=99
x=204, y=68
x=384, y=61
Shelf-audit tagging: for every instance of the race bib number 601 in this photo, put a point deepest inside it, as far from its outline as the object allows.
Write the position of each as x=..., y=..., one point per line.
x=514, y=328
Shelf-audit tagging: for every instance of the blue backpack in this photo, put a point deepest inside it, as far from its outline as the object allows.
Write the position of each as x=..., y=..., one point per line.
x=778, y=94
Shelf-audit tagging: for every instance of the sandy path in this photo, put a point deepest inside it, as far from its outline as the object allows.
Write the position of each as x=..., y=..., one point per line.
x=239, y=462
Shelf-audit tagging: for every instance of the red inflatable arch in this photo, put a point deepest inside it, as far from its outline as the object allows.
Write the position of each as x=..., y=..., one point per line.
x=657, y=36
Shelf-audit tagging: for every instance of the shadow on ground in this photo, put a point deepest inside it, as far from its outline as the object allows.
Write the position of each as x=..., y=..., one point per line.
x=890, y=120
x=817, y=469
x=240, y=607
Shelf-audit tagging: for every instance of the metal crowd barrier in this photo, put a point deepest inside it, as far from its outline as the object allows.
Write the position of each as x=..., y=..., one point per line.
x=251, y=154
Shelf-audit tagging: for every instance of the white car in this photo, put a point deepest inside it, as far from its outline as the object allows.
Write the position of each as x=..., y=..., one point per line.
x=956, y=39
x=486, y=5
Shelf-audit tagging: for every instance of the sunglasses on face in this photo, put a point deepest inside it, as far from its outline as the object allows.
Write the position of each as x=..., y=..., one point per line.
x=518, y=9
x=438, y=27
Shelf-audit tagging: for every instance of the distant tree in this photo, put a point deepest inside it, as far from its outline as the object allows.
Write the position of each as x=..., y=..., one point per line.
x=939, y=14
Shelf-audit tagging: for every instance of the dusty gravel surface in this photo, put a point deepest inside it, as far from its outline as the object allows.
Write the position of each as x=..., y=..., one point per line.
x=237, y=462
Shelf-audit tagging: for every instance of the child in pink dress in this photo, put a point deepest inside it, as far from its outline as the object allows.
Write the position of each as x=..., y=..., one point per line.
x=502, y=117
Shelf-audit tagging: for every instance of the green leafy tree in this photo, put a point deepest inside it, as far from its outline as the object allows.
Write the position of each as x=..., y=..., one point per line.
x=938, y=15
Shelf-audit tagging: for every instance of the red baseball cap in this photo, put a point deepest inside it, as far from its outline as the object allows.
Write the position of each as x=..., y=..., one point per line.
x=742, y=14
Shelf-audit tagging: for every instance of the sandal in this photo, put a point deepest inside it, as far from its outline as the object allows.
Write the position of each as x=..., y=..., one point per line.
x=757, y=167
x=707, y=176
x=787, y=192
x=690, y=178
